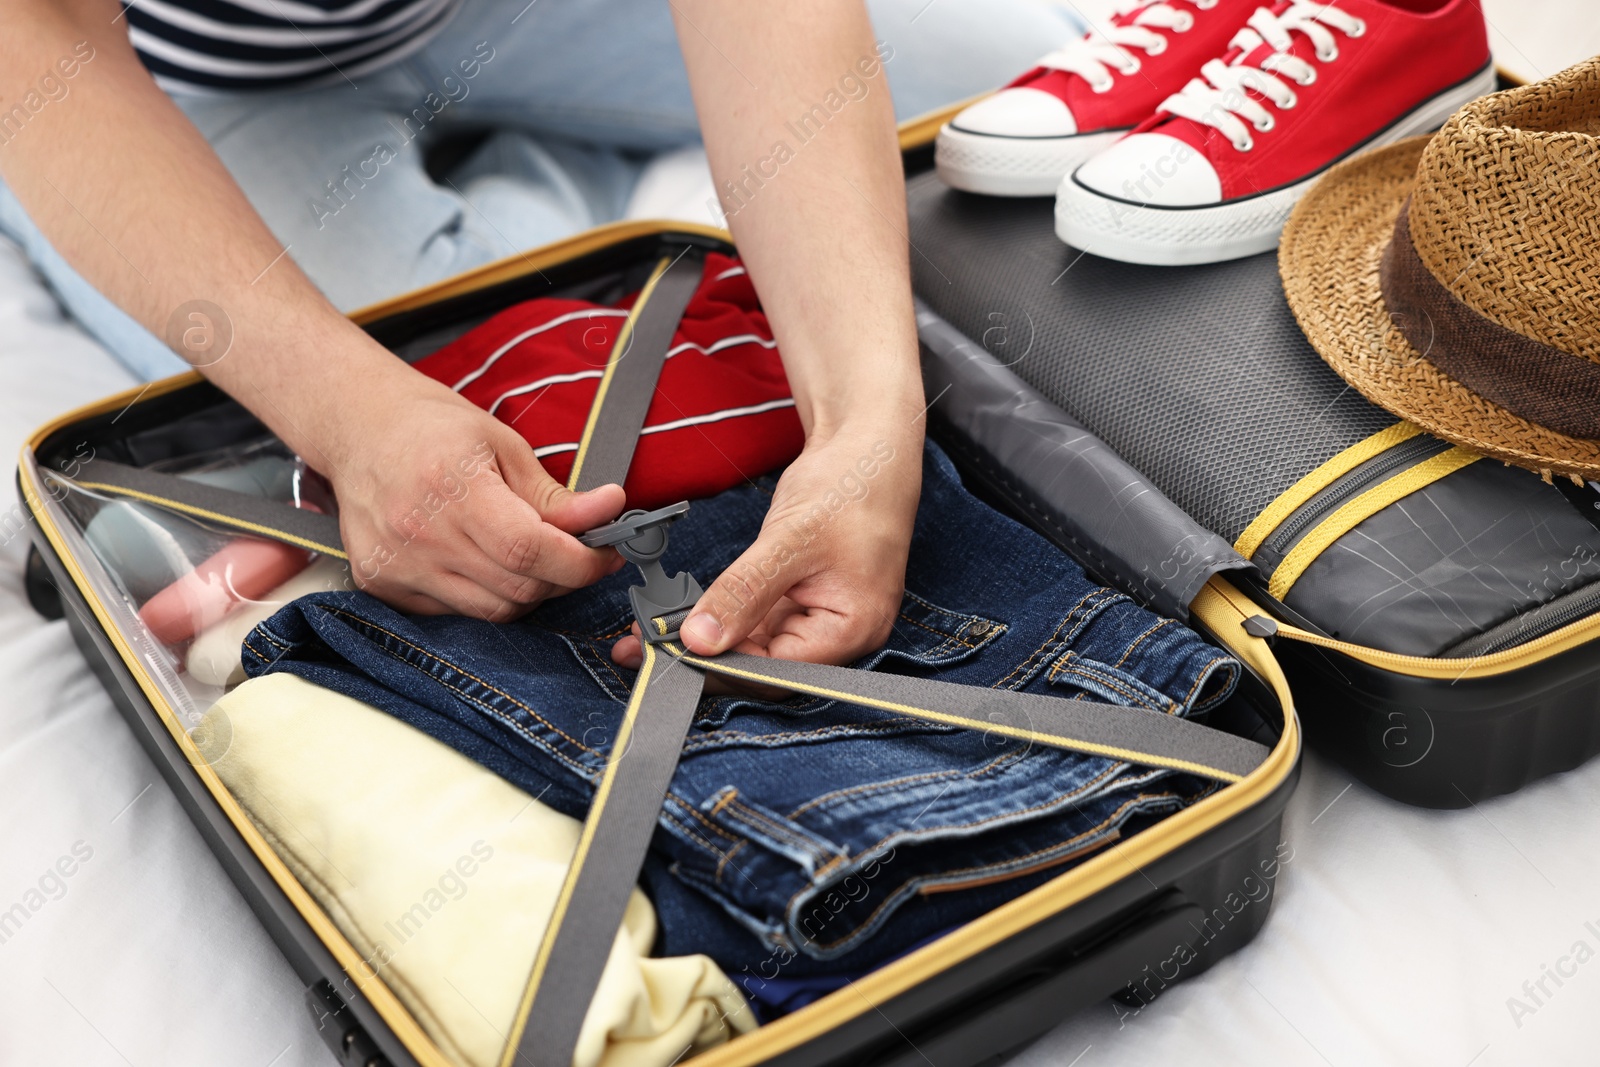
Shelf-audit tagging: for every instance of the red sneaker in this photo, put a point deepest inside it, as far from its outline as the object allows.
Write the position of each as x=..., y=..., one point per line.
x=1213, y=174
x=1024, y=139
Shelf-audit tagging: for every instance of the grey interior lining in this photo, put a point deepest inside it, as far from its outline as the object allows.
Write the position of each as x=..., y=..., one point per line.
x=1086, y=496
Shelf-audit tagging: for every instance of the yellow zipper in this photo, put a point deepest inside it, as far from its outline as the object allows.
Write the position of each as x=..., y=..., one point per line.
x=1536, y=651
x=1300, y=493
x=1358, y=509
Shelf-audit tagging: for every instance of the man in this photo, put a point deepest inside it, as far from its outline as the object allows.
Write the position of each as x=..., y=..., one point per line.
x=130, y=213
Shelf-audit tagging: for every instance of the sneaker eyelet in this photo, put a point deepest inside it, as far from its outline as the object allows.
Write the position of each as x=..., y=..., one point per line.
x=1359, y=29
x=1244, y=145
x=1311, y=76
x=1329, y=56
x=1156, y=50
x=1265, y=127
x=1206, y=5
x=1185, y=24
x=1131, y=68
x=1288, y=105
x=1102, y=87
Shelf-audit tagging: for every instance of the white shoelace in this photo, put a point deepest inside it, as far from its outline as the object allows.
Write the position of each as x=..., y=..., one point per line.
x=1225, y=104
x=1093, y=56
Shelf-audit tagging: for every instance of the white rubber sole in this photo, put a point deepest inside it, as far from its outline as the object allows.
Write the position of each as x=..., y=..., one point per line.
x=1012, y=166
x=1168, y=237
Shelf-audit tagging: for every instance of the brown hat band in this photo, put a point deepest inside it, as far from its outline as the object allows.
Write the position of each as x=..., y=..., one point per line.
x=1526, y=377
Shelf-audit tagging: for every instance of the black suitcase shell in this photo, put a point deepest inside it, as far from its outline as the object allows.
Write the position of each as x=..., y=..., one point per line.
x=1155, y=908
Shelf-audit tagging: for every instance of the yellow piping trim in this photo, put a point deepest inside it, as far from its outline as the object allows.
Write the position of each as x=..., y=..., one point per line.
x=1360, y=508
x=579, y=855
x=1295, y=497
x=619, y=352
x=224, y=520
x=1223, y=610
x=1053, y=740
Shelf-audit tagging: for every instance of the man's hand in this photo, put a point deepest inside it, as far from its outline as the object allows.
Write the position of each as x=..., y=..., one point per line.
x=824, y=239
x=823, y=234
x=444, y=509
x=824, y=580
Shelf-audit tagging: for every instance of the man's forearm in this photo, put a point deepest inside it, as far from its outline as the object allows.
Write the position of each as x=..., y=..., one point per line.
x=794, y=105
x=131, y=195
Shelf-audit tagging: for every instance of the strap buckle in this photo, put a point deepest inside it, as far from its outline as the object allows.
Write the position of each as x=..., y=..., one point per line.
x=641, y=538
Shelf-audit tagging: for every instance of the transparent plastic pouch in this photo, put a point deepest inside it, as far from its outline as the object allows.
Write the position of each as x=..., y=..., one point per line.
x=193, y=590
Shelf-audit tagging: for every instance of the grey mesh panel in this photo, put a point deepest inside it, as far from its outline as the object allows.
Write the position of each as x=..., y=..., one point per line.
x=1198, y=376
x=1078, y=491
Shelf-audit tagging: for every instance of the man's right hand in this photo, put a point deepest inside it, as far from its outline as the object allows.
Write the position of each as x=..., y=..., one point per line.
x=445, y=510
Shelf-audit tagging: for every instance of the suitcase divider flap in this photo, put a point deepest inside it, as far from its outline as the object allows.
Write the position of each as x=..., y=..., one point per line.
x=1125, y=529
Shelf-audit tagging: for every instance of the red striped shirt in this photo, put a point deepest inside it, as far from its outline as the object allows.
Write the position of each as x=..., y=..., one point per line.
x=722, y=412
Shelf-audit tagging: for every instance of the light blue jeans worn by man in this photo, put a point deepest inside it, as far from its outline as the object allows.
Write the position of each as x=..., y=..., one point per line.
x=587, y=114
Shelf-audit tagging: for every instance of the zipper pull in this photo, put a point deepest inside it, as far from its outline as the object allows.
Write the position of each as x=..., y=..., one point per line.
x=1261, y=626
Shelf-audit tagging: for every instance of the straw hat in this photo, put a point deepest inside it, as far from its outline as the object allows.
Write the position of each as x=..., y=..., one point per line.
x=1455, y=280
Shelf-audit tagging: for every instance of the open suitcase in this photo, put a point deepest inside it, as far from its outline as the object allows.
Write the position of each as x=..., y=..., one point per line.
x=1437, y=615
x=1151, y=909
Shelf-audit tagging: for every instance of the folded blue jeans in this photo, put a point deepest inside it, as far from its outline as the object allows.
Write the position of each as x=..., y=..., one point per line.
x=806, y=836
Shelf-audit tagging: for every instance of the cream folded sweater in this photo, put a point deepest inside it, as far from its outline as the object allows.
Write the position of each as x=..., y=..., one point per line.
x=443, y=876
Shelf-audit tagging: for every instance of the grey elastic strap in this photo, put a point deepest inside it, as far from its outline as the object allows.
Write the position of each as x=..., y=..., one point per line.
x=627, y=805
x=629, y=384
x=1135, y=735
x=605, y=866
x=218, y=507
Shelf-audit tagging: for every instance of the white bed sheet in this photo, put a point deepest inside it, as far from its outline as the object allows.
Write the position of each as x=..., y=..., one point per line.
x=1397, y=936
